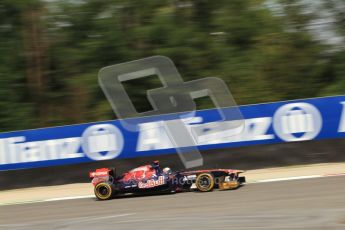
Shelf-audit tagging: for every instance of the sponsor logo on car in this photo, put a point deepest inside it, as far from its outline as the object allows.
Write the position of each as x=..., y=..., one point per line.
x=152, y=183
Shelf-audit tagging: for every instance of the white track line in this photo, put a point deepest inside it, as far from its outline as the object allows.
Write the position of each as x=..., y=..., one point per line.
x=68, y=198
x=288, y=178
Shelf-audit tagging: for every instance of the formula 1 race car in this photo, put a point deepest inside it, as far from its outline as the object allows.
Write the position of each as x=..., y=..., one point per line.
x=149, y=179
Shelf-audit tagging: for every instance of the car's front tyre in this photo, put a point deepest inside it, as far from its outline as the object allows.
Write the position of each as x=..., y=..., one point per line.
x=205, y=182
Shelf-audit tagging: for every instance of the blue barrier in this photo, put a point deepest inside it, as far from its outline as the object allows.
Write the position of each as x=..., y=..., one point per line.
x=286, y=121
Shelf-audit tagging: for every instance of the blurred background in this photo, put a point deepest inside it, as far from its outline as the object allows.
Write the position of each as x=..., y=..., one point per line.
x=266, y=50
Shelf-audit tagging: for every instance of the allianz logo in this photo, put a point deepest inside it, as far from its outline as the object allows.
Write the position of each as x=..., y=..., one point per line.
x=290, y=119
x=290, y=122
x=98, y=142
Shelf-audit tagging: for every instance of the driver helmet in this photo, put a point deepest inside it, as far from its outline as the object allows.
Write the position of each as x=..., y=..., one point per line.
x=167, y=170
x=155, y=164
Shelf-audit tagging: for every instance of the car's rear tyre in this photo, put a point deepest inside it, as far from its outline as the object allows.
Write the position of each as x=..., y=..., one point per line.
x=205, y=182
x=103, y=191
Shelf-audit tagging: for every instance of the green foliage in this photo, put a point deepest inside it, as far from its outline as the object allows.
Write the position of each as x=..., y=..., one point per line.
x=51, y=52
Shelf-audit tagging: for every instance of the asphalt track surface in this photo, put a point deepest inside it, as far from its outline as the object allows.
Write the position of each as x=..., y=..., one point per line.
x=298, y=204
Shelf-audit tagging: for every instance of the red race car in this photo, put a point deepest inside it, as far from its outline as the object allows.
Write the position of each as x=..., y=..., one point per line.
x=148, y=179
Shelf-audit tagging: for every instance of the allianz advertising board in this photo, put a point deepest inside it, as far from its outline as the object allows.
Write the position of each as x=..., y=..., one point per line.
x=286, y=121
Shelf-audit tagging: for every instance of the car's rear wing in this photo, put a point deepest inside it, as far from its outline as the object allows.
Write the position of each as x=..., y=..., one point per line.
x=102, y=172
